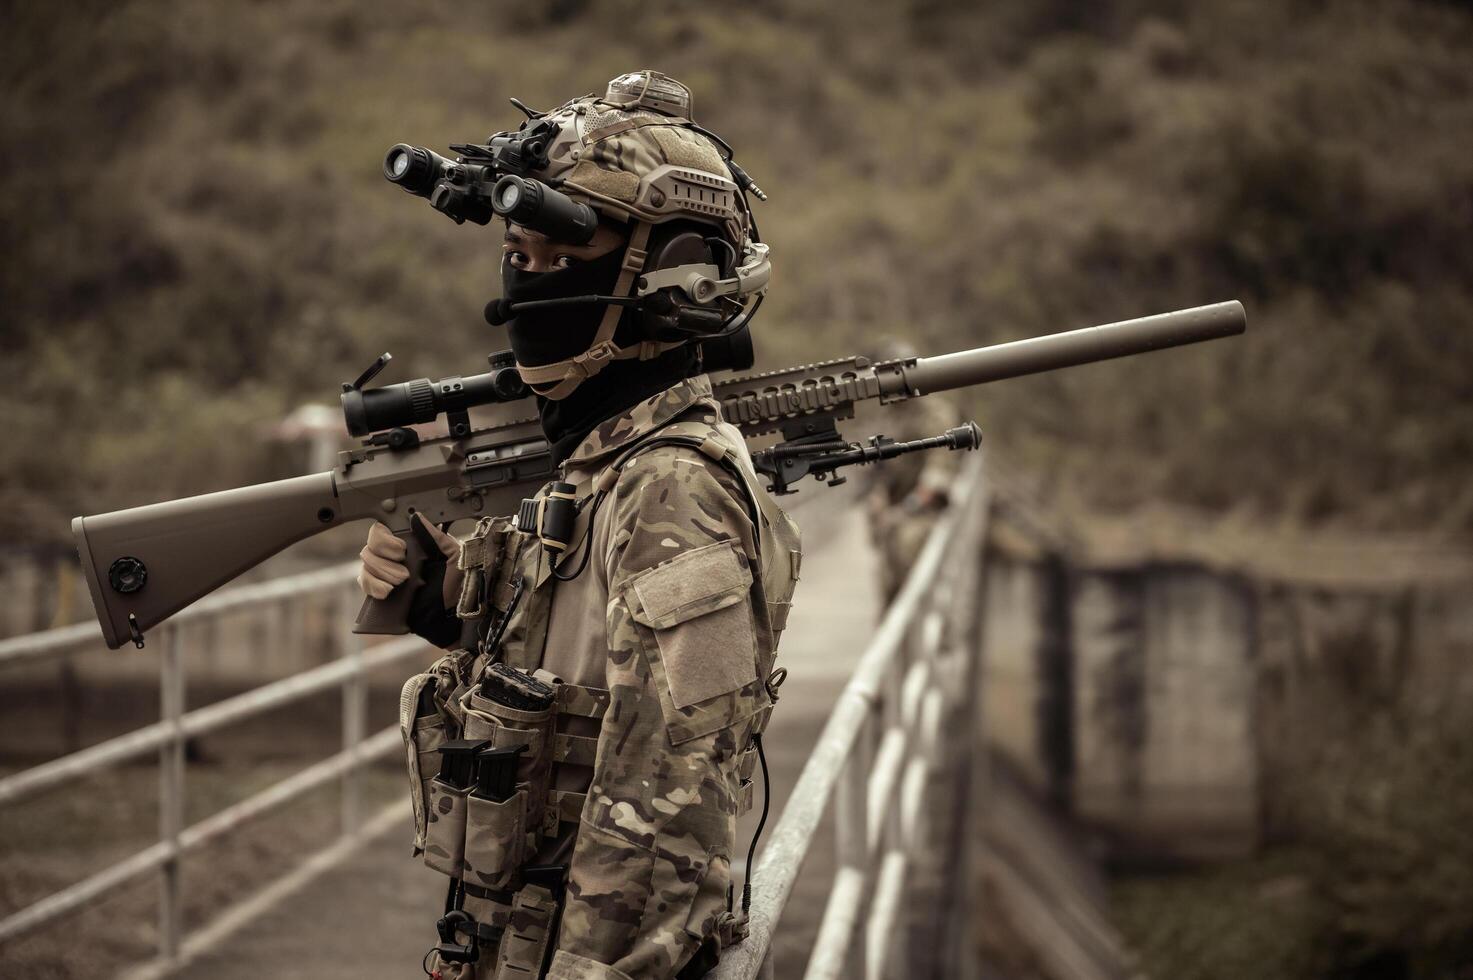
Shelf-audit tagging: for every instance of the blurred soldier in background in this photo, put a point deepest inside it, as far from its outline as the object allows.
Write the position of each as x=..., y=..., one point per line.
x=908, y=494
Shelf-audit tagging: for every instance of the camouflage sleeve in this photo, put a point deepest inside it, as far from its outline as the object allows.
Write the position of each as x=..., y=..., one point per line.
x=652, y=862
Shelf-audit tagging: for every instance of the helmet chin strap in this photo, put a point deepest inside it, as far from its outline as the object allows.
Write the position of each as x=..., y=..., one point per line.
x=700, y=281
x=557, y=380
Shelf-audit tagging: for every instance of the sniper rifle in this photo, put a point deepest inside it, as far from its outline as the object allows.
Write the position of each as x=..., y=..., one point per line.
x=146, y=563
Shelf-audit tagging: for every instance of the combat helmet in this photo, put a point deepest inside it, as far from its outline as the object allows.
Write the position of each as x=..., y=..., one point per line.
x=694, y=266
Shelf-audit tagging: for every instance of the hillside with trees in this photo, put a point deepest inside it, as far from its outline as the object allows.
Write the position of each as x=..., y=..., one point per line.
x=198, y=236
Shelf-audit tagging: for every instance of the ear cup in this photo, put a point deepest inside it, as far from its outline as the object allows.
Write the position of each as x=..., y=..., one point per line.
x=663, y=316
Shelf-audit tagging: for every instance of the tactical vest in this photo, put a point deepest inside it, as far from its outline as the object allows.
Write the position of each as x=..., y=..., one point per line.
x=500, y=910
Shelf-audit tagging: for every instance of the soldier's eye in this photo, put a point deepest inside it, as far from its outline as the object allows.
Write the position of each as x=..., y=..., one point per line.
x=517, y=259
x=564, y=262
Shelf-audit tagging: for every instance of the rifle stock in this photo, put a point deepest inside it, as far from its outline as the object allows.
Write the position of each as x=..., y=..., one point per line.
x=185, y=549
x=146, y=563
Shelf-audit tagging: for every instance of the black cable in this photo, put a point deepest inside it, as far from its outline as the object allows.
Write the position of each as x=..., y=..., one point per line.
x=537, y=304
x=756, y=305
x=586, y=544
x=731, y=253
x=493, y=642
x=752, y=220
x=761, y=822
x=711, y=136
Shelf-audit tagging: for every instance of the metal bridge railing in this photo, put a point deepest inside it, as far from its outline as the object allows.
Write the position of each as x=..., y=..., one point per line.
x=879, y=761
x=176, y=726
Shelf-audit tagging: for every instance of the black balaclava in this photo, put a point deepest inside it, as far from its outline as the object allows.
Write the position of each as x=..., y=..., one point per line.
x=554, y=333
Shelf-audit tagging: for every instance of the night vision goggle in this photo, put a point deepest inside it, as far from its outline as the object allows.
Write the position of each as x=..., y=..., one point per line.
x=489, y=181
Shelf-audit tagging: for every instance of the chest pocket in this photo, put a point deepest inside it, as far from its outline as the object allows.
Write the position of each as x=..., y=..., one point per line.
x=693, y=614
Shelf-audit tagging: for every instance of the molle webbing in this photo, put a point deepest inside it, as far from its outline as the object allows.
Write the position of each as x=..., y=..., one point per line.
x=496, y=896
x=574, y=750
x=585, y=702
x=490, y=908
x=563, y=806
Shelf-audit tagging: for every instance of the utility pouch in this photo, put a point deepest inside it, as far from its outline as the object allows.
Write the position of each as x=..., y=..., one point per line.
x=428, y=717
x=423, y=726
x=488, y=559
x=511, y=708
x=533, y=921
x=444, y=848
x=496, y=841
x=694, y=617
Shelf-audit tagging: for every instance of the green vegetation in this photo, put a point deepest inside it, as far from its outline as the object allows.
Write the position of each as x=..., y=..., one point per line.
x=1380, y=886
x=198, y=236
x=1262, y=919
x=1366, y=786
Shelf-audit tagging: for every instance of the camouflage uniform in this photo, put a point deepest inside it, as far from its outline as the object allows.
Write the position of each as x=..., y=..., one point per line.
x=909, y=493
x=661, y=650
x=658, y=654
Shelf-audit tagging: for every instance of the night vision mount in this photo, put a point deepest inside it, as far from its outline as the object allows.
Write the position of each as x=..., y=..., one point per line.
x=470, y=187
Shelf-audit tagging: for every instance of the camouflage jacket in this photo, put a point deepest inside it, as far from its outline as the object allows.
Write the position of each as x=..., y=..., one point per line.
x=670, y=618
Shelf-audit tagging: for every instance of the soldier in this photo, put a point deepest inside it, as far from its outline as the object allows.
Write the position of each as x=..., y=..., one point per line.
x=627, y=662
x=908, y=494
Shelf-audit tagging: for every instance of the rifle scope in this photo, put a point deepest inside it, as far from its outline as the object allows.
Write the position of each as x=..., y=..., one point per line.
x=369, y=410
x=395, y=406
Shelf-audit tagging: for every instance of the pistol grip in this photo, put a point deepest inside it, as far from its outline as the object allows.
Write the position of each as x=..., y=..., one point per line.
x=390, y=616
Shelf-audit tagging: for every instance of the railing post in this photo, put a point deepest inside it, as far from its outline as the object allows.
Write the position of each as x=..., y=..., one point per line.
x=961, y=895
x=851, y=827
x=171, y=792
x=355, y=710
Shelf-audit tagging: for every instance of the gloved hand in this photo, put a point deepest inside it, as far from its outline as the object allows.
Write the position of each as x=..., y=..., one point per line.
x=383, y=562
